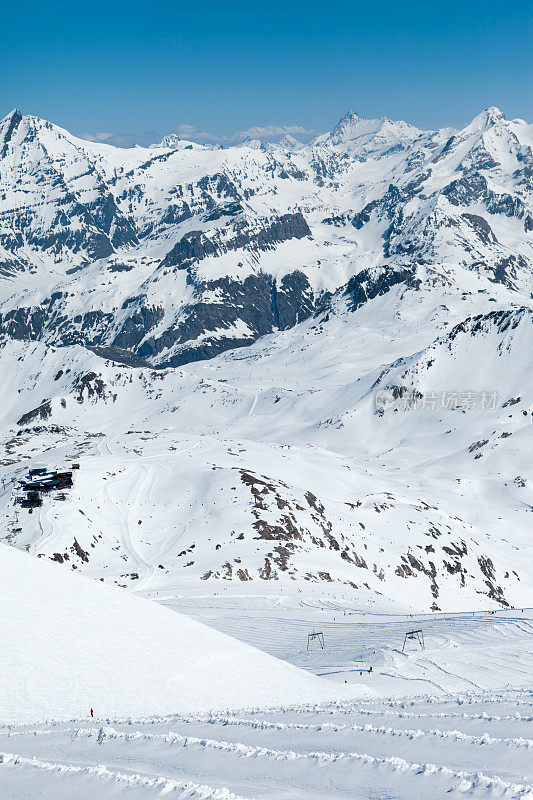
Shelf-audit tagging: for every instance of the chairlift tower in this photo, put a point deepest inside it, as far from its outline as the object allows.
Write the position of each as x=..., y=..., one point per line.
x=417, y=636
x=318, y=635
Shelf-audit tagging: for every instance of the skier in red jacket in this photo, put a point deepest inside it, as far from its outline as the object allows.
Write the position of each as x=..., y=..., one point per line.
x=92, y=713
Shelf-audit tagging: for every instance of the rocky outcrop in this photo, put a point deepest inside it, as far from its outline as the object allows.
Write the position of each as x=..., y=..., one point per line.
x=374, y=282
x=257, y=301
x=196, y=245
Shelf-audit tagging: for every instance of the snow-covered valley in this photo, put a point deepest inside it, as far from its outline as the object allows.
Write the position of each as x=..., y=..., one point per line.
x=182, y=710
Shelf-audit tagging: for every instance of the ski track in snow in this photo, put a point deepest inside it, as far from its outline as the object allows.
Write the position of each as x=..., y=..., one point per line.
x=130, y=781
x=138, y=485
x=281, y=758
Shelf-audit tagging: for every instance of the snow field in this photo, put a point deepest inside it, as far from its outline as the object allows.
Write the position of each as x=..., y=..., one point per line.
x=270, y=755
x=464, y=652
x=69, y=644
x=467, y=736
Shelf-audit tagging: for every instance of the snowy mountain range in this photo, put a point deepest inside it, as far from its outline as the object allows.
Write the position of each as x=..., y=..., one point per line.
x=180, y=252
x=275, y=363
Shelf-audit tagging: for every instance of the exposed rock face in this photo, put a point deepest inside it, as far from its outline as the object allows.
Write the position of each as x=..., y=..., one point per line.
x=44, y=411
x=372, y=283
x=257, y=302
x=196, y=246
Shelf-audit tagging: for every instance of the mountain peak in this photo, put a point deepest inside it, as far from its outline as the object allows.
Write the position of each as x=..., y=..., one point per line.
x=170, y=140
x=494, y=113
x=364, y=135
x=350, y=118
x=290, y=142
x=489, y=117
x=7, y=127
x=14, y=117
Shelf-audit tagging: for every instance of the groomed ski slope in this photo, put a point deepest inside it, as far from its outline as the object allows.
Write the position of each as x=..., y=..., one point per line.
x=464, y=651
x=185, y=711
x=69, y=644
x=468, y=746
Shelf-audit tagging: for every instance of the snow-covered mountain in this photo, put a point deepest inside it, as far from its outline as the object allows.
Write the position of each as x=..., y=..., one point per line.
x=368, y=430
x=370, y=137
x=306, y=459
x=179, y=252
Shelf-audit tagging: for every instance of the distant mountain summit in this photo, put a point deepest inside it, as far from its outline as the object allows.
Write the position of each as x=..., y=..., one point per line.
x=346, y=127
x=170, y=140
x=365, y=137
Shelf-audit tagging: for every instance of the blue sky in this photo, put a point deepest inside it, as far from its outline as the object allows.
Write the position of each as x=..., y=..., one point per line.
x=140, y=68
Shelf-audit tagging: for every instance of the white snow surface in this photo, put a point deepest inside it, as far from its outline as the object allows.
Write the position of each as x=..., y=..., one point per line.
x=69, y=644
x=273, y=466
x=467, y=736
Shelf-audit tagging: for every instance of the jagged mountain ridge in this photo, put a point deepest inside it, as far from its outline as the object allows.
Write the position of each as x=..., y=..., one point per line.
x=179, y=252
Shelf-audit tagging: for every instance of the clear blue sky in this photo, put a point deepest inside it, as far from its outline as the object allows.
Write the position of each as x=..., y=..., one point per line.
x=221, y=66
